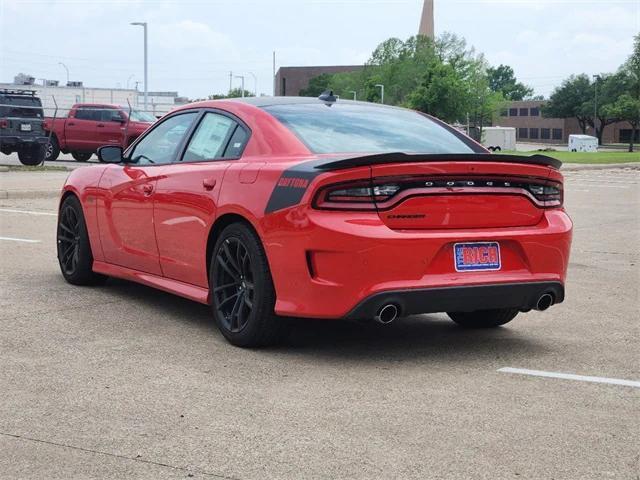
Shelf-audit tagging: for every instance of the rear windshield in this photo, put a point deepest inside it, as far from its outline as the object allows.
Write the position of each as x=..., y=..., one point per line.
x=361, y=128
x=19, y=106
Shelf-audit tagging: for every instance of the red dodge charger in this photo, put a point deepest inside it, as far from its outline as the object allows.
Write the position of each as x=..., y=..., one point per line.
x=267, y=208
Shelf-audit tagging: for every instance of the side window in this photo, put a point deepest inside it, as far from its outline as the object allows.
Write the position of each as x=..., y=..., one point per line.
x=161, y=144
x=111, y=115
x=210, y=139
x=84, y=114
x=236, y=143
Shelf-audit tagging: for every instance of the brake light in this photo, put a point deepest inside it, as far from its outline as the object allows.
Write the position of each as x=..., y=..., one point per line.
x=4, y=123
x=355, y=196
x=383, y=194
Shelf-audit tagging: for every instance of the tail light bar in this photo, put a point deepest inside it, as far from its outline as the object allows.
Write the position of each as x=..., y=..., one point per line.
x=383, y=194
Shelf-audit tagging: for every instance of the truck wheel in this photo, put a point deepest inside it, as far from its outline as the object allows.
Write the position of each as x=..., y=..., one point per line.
x=52, y=150
x=484, y=318
x=81, y=156
x=32, y=155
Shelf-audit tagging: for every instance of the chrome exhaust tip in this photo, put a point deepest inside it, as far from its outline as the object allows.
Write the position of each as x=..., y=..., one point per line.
x=387, y=314
x=544, y=302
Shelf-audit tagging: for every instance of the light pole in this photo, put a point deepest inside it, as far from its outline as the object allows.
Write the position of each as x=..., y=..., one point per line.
x=65, y=67
x=381, y=92
x=242, y=78
x=595, y=105
x=146, y=83
x=255, y=84
x=355, y=94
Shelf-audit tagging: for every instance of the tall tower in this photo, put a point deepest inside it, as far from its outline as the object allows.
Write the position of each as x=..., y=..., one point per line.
x=426, y=22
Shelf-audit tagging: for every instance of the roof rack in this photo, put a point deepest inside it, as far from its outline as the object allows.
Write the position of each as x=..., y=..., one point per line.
x=7, y=91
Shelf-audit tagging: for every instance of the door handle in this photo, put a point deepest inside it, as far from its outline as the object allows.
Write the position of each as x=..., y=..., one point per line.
x=147, y=189
x=71, y=124
x=100, y=125
x=209, y=183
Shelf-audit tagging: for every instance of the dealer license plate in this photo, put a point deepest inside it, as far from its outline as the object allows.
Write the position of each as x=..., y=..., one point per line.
x=476, y=256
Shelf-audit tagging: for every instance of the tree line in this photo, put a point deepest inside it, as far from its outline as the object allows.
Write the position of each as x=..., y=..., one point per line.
x=446, y=78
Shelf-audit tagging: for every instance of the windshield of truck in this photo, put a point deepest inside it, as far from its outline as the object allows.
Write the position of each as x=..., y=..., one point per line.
x=140, y=116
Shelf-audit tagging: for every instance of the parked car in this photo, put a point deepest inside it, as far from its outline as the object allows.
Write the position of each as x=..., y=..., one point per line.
x=268, y=208
x=90, y=126
x=21, y=125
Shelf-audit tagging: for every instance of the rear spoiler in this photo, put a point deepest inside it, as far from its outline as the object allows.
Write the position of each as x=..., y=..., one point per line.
x=400, y=157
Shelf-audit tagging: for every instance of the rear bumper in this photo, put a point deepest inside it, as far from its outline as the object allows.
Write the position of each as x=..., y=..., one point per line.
x=23, y=141
x=523, y=296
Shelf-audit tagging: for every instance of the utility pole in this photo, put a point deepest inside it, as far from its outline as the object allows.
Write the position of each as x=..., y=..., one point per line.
x=595, y=106
x=241, y=77
x=379, y=85
x=274, y=73
x=230, y=81
x=146, y=62
x=65, y=67
x=255, y=84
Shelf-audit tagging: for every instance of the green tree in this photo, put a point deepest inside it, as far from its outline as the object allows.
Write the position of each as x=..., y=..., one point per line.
x=502, y=79
x=569, y=99
x=317, y=85
x=626, y=108
x=233, y=93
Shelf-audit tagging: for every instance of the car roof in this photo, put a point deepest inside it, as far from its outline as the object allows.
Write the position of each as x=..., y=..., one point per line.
x=271, y=101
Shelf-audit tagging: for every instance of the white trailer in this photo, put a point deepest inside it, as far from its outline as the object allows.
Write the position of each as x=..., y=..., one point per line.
x=583, y=143
x=497, y=139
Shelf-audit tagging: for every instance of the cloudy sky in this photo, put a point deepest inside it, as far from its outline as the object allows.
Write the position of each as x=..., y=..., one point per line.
x=194, y=44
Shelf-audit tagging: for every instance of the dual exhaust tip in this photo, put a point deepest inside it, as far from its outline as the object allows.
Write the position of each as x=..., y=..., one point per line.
x=389, y=312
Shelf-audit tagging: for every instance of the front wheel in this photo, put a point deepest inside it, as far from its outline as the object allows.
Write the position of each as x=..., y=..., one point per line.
x=74, y=251
x=242, y=292
x=484, y=318
x=81, y=156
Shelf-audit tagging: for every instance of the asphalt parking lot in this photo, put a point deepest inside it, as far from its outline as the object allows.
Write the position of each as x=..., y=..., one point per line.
x=122, y=381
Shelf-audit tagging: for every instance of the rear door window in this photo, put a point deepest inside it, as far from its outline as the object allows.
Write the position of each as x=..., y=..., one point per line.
x=210, y=139
x=88, y=114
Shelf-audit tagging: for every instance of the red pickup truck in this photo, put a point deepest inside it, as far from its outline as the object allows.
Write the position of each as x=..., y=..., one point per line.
x=90, y=126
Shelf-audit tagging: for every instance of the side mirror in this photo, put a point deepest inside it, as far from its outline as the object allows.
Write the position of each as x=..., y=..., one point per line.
x=110, y=154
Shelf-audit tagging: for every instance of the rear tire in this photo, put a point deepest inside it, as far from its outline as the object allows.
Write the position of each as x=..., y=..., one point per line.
x=32, y=155
x=81, y=156
x=242, y=292
x=52, y=150
x=74, y=251
x=484, y=318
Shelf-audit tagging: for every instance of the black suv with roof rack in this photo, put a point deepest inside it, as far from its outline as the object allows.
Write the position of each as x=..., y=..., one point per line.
x=22, y=126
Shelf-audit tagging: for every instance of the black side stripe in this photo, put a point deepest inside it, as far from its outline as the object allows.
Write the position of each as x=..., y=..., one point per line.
x=293, y=184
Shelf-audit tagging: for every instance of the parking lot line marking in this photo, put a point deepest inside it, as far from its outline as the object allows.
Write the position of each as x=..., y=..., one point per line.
x=25, y=240
x=28, y=212
x=570, y=376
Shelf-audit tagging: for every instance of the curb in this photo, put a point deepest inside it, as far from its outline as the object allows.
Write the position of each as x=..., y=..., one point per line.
x=9, y=194
x=574, y=167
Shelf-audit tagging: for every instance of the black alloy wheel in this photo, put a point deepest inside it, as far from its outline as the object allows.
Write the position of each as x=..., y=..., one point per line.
x=242, y=292
x=74, y=250
x=68, y=239
x=234, y=276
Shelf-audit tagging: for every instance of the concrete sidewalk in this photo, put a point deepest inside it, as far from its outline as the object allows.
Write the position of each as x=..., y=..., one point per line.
x=31, y=184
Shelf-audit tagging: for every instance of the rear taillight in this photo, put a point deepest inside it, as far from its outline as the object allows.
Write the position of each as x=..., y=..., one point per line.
x=355, y=196
x=4, y=123
x=383, y=194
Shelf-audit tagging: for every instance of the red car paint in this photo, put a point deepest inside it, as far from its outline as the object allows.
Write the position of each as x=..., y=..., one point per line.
x=154, y=224
x=76, y=134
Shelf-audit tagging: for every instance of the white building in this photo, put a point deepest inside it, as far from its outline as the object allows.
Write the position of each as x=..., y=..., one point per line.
x=64, y=97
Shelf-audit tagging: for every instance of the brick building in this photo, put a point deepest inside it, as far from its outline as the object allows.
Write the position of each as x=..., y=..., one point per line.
x=290, y=80
x=531, y=126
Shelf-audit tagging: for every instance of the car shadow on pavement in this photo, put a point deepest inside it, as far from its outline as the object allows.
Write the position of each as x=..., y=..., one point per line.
x=419, y=336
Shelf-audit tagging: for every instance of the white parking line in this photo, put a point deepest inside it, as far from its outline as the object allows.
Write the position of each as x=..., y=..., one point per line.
x=28, y=212
x=25, y=240
x=570, y=376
